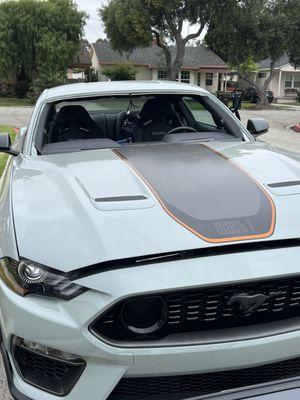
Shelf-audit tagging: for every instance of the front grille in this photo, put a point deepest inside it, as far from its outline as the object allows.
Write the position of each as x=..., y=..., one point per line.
x=210, y=308
x=187, y=386
x=49, y=374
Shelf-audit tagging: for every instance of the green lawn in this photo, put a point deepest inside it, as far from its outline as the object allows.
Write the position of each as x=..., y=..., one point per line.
x=248, y=106
x=289, y=104
x=4, y=157
x=6, y=102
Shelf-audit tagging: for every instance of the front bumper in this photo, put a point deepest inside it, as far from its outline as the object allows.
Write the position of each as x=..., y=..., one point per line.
x=64, y=326
x=9, y=375
x=57, y=327
x=288, y=390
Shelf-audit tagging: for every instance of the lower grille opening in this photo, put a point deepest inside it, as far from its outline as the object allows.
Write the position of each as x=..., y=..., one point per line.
x=187, y=386
x=47, y=373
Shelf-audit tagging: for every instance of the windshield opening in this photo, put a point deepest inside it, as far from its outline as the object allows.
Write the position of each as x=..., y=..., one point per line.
x=108, y=122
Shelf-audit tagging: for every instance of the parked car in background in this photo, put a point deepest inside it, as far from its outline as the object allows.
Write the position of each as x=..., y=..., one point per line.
x=149, y=249
x=251, y=94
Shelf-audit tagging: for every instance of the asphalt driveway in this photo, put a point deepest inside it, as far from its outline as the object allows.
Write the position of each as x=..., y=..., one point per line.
x=279, y=120
x=279, y=135
x=16, y=117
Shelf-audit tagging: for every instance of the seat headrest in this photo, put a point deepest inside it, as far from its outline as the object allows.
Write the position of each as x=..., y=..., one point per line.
x=72, y=112
x=154, y=107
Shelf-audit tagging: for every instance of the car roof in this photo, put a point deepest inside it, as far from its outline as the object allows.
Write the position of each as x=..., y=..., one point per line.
x=118, y=88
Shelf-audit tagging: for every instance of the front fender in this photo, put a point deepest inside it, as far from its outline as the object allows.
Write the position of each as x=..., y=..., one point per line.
x=8, y=245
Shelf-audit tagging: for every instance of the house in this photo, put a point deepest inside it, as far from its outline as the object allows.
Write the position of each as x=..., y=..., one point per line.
x=286, y=80
x=201, y=65
x=80, y=69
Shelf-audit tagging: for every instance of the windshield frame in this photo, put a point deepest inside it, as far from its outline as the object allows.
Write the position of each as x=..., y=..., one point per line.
x=43, y=106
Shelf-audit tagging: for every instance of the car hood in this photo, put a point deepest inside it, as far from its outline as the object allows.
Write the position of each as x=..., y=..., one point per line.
x=78, y=209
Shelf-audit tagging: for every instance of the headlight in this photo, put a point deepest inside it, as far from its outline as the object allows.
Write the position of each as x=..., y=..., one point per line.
x=27, y=277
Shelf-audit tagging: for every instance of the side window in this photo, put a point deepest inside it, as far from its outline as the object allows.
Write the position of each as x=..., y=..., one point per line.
x=200, y=113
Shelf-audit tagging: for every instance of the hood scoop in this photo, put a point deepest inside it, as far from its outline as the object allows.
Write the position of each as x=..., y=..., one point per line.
x=128, y=196
x=133, y=202
x=120, y=198
x=284, y=188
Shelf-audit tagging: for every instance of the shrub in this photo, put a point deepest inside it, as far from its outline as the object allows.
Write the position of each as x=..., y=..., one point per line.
x=298, y=95
x=120, y=72
x=38, y=86
x=7, y=89
x=21, y=89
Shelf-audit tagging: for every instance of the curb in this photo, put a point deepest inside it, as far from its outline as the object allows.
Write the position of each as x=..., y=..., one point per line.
x=296, y=128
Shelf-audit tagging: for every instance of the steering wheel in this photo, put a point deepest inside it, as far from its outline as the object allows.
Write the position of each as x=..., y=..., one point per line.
x=182, y=128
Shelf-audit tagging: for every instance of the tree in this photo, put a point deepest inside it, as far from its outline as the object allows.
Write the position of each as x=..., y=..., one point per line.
x=293, y=34
x=132, y=24
x=257, y=31
x=120, y=72
x=38, y=39
x=101, y=40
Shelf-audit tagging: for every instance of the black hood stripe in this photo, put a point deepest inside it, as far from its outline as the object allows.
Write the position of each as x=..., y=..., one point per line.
x=204, y=191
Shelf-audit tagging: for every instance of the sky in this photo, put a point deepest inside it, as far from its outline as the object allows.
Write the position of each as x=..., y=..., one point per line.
x=94, y=28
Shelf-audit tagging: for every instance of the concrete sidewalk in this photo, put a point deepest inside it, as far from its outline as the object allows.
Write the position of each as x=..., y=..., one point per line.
x=4, y=392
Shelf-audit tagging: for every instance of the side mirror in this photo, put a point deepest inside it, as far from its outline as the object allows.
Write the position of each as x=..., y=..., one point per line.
x=5, y=145
x=258, y=126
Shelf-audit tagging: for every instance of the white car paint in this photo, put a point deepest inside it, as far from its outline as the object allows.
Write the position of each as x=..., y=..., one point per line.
x=49, y=215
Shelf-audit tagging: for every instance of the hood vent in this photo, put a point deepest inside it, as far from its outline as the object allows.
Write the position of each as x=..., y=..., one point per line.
x=284, y=188
x=120, y=198
x=284, y=184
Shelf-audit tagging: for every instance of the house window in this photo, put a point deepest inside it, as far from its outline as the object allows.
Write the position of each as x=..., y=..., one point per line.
x=297, y=81
x=161, y=74
x=262, y=74
x=209, y=79
x=288, y=81
x=185, y=76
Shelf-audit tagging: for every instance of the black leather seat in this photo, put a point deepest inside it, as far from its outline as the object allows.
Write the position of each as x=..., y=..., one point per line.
x=74, y=122
x=157, y=117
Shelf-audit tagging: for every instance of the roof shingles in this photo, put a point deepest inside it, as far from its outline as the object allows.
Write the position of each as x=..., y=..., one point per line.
x=195, y=57
x=265, y=64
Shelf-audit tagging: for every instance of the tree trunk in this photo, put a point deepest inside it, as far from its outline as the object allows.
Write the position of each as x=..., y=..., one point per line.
x=178, y=62
x=173, y=68
x=160, y=43
x=263, y=102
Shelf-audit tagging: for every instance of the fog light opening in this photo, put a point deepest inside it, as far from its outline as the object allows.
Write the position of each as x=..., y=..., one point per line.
x=144, y=316
x=50, y=370
x=44, y=350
